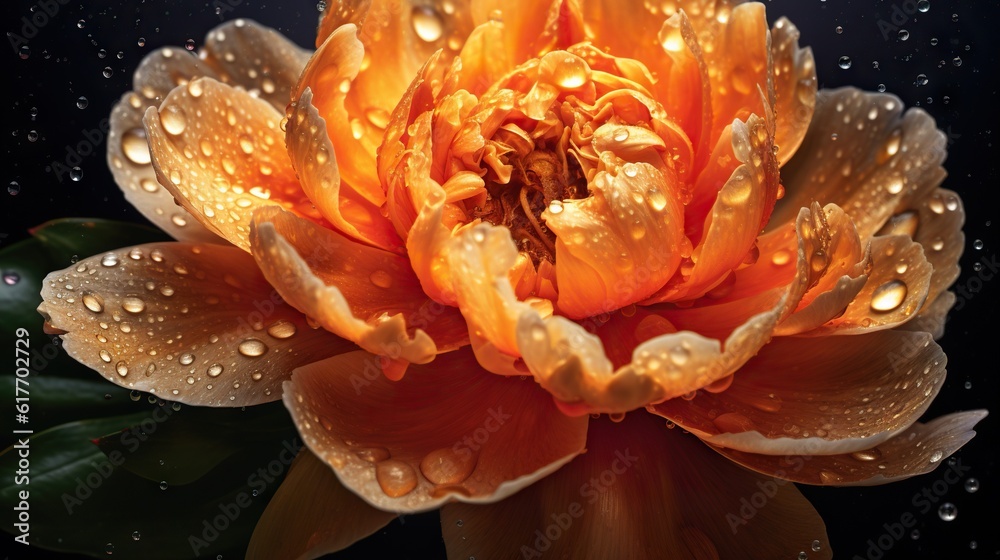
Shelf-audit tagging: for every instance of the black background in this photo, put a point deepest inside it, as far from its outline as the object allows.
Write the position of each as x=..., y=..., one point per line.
x=66, y=62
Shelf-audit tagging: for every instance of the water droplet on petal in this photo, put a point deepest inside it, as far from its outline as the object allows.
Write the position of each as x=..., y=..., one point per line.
x=396, y=478
x=888, y=296
x=174, y=120
x=215, y=370
x=93, y=302
x=427, y=23
x=448, y=466
x=133, y=305
x=381, y=278
x=282, y=330
x=252, y=348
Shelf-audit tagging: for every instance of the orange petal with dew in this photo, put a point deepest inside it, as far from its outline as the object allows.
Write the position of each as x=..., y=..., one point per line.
x=640, y=491
x=312, y=514
x=197, y=324
x=572, y=364
x=915, y=451
x=362, y=293
x=314, y=158
x=817, y=396
x=620, y=244
x=532, y=28
x=220, y=152
x=865, y=155
x=455, y=433
x=794, y=88
x=738, y=213
x=933, y=316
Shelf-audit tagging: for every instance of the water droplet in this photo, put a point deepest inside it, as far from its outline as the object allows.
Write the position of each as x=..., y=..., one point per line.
x=93, y=302
x=936, y=456
x=781, y=257
x=621, y=134
x=252, y=348
x=282, y=330
x=972, y=485
x=873, y=454
x=107, y=72
x=915, y=534
x=903, y=34
x=370, y=454
x=921, y=80
x=109, y=549
x=427, y=23
x=948, y=511
x=215, y=370
x=381, y=278
x=447, y=466
x=396, y=478
x=134, y=146
x=14, y=188
x=571, y=73
x=679, y=355
x=76, y=174
x=978, y=245
x=135, y=395
x=838, y=30
x=174, y=120
x=816, y=546
x=186, y=359
x=656, y=199
x=11, y=278
x=923, y=5
x=378, y=117
x=844, y=62
x=136, y=536
x=163, y=485
x=133, y=304
x=555, y=207
x=888, y=296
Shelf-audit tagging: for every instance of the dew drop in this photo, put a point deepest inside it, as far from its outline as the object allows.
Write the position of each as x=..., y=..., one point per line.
x=252, y=348
x=93, y=302
x=174, y=120
x=136, y=536
x=427, y=23
x=186, y=359
x=948, y=511
x=215, y=370
x=76, y=174
x=369, y=454
x=888, y=296
x=133, y=304
x=282, y=330
x=555, y=207
x=972, y=485
x=873, y=454
x=134, y=146
x=381, y=278
x=844, y=62
x=936, y=456
x=395, y=478
x=448, y=466
x=163, y=485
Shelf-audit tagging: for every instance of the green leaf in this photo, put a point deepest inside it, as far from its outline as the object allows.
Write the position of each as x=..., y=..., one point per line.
x=82, y=237
x=194, y=440
x=81, y=500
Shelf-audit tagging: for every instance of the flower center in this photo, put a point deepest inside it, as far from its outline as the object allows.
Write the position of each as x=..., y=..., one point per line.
x=541, y=179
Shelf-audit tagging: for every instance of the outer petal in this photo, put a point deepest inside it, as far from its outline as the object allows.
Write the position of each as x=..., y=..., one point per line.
x=241, y=53
x=219, y=151
x=794, y=88
x=445, y=432
x=818, y=396
x=361, y=293
x=532, y=28
x=128, y=151
x=863, y=154
x=640, y=491
x=312, y=514
x=918, y=450
x=196, y=324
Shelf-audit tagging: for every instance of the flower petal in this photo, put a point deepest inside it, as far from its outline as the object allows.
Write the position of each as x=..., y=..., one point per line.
x=197, y=324
x=531, y=27
x=314, y=158
x=572, y=364
x=918, y=450
x=818, y=396
x=865, y=155
x=256, y=58
x=794, y=88
x=364, y=294
x=220, y=152
x=128, y=151
x=445, y=432
x=640, y=491
x=620, y=244
x=312, y=514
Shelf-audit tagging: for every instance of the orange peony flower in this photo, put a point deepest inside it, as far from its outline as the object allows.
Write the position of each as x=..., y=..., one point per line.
x=492, y=242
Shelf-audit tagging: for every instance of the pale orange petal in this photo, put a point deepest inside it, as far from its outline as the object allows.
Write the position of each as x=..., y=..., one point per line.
x=314, y=158
x=128, y=151
x=257, y=58
x=220, y=152
x=532, y=27
x=932, y=316
x=918, y=450
x=794, y=88
x=454, y=431
x=640, y=491
x=197, y=324
x=865, y=155
x=818, y=396
x=362, y=293
x=312, y=514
